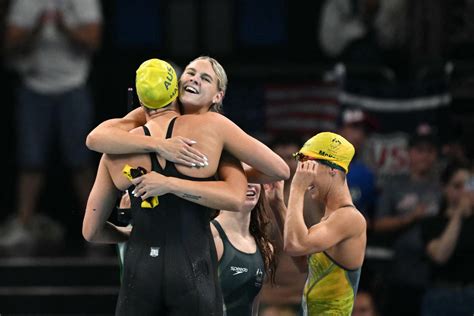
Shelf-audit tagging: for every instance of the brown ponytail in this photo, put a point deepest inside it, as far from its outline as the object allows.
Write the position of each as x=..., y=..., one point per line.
x=259, y=229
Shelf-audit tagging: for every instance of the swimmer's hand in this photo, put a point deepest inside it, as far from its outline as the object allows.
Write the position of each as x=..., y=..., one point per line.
x=150, y=184
x=180, y=150
x=134, y=173
x=305, y=176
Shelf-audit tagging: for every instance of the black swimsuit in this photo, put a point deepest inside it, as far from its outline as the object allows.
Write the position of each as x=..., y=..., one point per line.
x=170, y=263
x=241, y=276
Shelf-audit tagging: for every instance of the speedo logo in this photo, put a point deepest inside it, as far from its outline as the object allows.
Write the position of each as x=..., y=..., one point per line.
x=325, y=154
x=238, y=270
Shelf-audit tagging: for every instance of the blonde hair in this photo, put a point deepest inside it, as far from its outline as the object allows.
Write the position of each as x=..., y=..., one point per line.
x=221, y=79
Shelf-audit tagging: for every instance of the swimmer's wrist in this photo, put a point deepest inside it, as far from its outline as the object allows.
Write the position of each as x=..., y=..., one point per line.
x=172, y=185
x=156, y=145
x=277, y=201
x=298, y=187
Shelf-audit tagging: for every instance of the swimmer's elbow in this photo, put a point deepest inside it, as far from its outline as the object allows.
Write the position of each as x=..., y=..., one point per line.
x=89, y=233
x=91, y=141
x=282, y=173
x=291, y=245
x=238, y=203
x=285, y=172
x=296, y=246
x=292, y=249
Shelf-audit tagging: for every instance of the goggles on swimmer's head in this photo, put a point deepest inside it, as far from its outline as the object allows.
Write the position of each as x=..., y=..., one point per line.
x=302, y=158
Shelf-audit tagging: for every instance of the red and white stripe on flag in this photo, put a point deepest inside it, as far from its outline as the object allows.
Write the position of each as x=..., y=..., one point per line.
x=304, y=108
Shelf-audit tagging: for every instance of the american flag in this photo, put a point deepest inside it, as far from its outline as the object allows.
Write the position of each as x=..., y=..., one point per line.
x=304, y=108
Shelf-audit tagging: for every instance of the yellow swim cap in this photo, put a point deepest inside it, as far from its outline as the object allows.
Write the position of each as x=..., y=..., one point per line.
x=329, y=147
x=156, y=83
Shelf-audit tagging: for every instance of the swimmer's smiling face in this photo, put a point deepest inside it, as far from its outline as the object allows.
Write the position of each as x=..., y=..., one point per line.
x=199, y=86
x=252, y=196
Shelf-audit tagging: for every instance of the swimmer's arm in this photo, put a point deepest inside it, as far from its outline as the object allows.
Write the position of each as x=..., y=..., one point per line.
x=257, y=176
x=274, y=193
x=296, y=239
x=95, y=227
x=113, y=137
x=296, y=235
x=300, y=241
x=268, y=166
x=275, y=198
x=226, y=194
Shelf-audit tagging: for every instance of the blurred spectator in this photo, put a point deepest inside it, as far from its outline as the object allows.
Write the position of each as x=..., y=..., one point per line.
x=454, y=145
x=414, y=34
x=346, y=30
x=50, y=44
x=358, y=31
x=356, y=126
x=404, y=202
x=454, y=149
x=449, y=240
x=425, y=34
x=409, y=37
x=364, y=304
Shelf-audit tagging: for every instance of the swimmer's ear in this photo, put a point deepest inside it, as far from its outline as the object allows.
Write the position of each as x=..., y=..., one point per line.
x=217, y=99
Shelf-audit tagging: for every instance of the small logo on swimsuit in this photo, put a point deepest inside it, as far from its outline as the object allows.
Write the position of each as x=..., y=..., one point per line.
x=238, y=270
x=258, y=278
x=154, y=251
